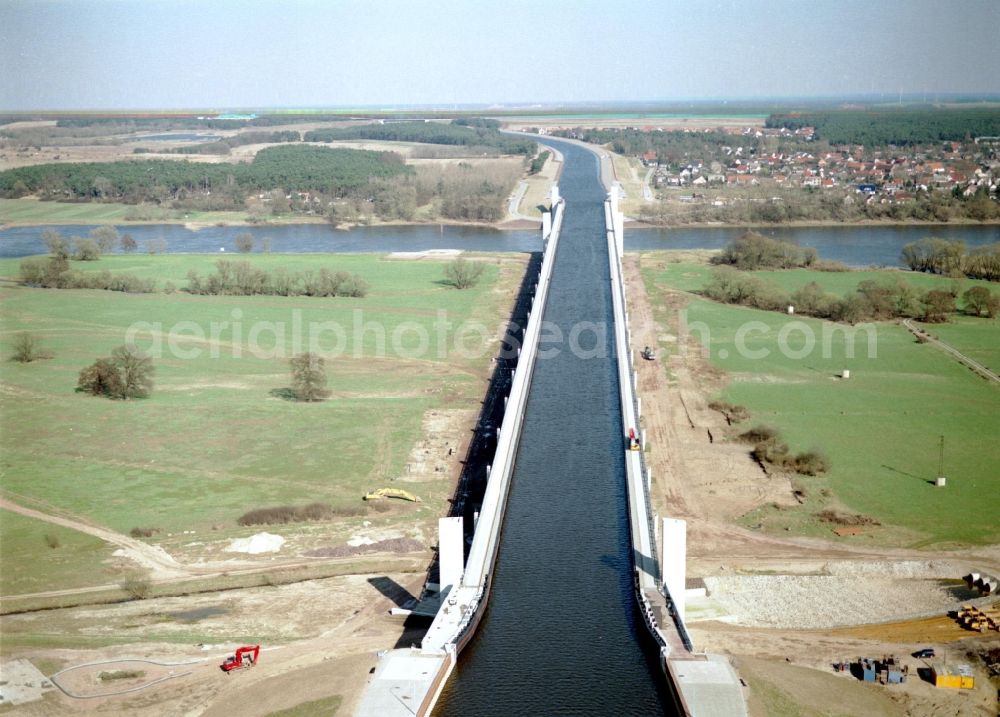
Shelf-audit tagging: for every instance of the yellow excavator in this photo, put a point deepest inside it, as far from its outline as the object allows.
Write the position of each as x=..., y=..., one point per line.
x=391, y=493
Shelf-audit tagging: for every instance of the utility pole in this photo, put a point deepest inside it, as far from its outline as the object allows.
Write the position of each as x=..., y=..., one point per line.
x=940, y=482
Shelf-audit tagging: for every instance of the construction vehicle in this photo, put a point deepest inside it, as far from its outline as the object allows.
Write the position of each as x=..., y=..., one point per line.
x=244, y=657
x=381, y=493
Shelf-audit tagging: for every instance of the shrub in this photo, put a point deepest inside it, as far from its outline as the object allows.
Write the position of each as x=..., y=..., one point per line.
x=734, y=413
x=128, y=373
x=283, y=514
x=759, y=434
x=463, y=274
x=244, y=243
x=751, y=251
x=143, y=532
x=52, y=541
x=27, y=348
x=137, y=587
x=120, y=675
x=86, y=250
x=811, y=463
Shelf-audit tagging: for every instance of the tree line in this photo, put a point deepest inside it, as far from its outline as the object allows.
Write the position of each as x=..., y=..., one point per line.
x=876, y=128
x=334, y=171
x=241, y=278
x=458, y=132
x=871, y=301
x=949, y=257
x=226, y=144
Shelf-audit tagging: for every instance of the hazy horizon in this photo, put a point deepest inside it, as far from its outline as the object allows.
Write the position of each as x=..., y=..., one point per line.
x=161, y=55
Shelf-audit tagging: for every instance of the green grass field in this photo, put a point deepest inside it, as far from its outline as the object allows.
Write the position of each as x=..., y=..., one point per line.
x=213, y=441
x=881, y=427
x=32, y=211
x=37, y=555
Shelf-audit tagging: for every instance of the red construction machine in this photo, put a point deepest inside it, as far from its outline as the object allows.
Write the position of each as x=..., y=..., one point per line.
x=245, y=657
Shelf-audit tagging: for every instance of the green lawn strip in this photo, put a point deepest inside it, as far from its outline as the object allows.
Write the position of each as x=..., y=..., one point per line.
x=37, y=555
x=977, y=338
x=32, y=211
x=880, y=428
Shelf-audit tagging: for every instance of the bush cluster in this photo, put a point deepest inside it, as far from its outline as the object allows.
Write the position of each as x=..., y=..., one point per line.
x=950, y=258
x=241, y=278
x=54, y=273
x=751, y=251
x=282, y=514
x=872, y=300
x=127, y=373
x=769, y=448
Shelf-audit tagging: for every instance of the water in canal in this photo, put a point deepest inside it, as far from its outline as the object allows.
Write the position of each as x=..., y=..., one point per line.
x=561, y=634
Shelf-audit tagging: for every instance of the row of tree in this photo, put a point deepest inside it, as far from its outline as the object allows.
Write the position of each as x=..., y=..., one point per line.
x=949, y=257
x=54, y=272
x=871, y=301
x=241, y=278
x=483, y=134
x=226, y=144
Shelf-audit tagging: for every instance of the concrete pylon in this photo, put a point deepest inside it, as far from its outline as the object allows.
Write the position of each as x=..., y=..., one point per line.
x=451, y=552
x=673, y=560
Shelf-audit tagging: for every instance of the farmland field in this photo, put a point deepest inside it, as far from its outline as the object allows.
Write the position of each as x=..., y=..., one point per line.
x=881, y=428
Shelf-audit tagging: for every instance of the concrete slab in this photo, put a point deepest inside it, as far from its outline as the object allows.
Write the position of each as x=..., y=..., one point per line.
x=709, y=687
x=21, y=682
x=402, y=681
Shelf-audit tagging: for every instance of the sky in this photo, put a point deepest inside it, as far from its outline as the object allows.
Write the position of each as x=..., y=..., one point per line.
x=174, y=54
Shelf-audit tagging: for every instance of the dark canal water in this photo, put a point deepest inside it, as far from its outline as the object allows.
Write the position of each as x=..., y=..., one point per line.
x=857, y=246
x=561, y=634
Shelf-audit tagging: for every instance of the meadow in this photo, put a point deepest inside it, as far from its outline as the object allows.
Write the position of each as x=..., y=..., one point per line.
x=881, y=427
x=218, y=436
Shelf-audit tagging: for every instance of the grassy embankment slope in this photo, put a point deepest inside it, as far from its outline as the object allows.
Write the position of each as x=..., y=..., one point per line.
x=880, y=428
x=213, y=442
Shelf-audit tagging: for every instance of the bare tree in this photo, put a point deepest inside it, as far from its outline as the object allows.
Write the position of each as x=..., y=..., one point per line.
x=136, y=369
x=463, y=274
x=55, y=243
x=106, y=237
x=309, y=377
x=86, y=250
x=129, y=244
x=27, y=348
x=244, y=243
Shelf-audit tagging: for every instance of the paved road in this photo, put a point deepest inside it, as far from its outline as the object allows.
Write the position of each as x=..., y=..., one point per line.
x=647, y=191
x=514, y=205
x=962, y=358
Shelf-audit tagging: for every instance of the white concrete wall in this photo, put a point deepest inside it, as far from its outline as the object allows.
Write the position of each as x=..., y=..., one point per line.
x=465, y=600
x=451, y=551
x=673, y=560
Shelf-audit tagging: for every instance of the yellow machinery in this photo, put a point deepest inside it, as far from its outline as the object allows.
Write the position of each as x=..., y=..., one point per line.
x=391, y=493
